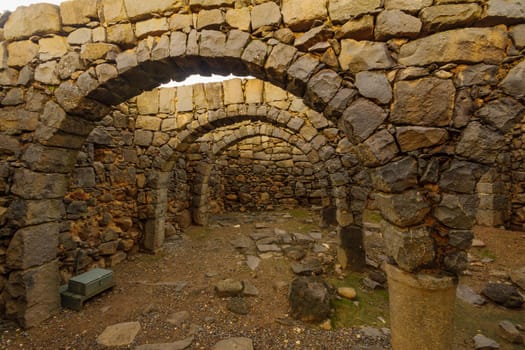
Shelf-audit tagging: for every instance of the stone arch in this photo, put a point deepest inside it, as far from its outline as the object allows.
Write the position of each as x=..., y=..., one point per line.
x=245, y=132
x=78, y=76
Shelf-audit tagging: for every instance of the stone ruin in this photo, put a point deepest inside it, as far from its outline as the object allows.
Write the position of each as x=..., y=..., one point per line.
x=413, y=109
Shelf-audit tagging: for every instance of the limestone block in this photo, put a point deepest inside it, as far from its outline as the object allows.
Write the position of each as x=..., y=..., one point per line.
x=479, y=143
x=210, y=19
x=21, y=53
x=321, y=88
x=266, y=14
x=33, y=246
x=407, y=5
x=9, y=77
x=470, y=45
x=357, y=56
x=273, y=93
x=48, y=159
x=196, y=5
x=253, y=91
x=148, y=123
x=457, y=211
x=405, y=209
x=3, y=55
x=181, y=22
x=442, y=17
x=167, y=100
x=411, y=138
x=396, y=24
x=95, y=51
x=357, y=29
x=411, y=248
x=374, y=85
x=177, y=44
x=312, y=37
x=139, y=9
x=36, y=19
x=212, y=43
x=148, y=102
x=299, y=15
x=47, y=73
x=80, y=36
x=106, y=72
x=236, y=43
x=255, y=55
x=10, y=145
x=143, y=138
x=505, y=11
x=361, y=119
x=34, y=212
x=76, y=12
x=514, y=82
x=342, y=10
x=185, y=99
x=425, y=102
x=396, y=176
x=121, y=34
x=153, y=27
x=52, y=47
x=39, y=287
x=32, y=185
x=239, y=18
x=378, y=149
x=214, y=96
x=518, y=35
x=233, y=92
x=114, y=11
x=15, y=120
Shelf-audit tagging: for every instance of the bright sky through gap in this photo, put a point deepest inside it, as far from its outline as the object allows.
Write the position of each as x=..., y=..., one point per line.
x=11, y=5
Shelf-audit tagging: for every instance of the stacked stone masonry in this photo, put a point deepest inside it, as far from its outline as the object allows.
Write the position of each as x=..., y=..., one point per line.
x=412, y=108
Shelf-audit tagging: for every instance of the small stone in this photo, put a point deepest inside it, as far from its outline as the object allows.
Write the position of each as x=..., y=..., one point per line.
x=265, y=248
x=238, y=306
x=249, y=289
x=178, y=318
x=228, y=287
x=234, y=344
x=310, y=299
x=177, y=345
x=477, y=243
x=518, y=277
x=326, y=325
x=507, y=330
x=347, y=292
x=252, y=262
x=503, y=294
x=481, y=342
x=466, y=294
x=120, y=334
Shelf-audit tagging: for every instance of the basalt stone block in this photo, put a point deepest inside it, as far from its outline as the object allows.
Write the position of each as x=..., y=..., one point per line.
x=504, y=11
x=32, y=185
x=300, y=72
x=514, y=82
x=424, y=102
x=478, y=74
x=310, y=299
x=36, y=19
x=457, y=211
x=462, y=176
x=278, y=62
x=456, y=262
x=299, y=15
x=502, y=113
x=411, y=248
x=503, y=294
x=411, y=138
x=396, y=24
x=461, y=239
x=358, y=56
x=480, y=144
x=33, y=246
x=378, y=149
x=374, y=85
x=472, y=45
x=313, y=37
x=405, y=209
x=518, y=35
x=321, y=88
x=254, y=55
x=361, y=119
x=442, y=17
x=395, y=176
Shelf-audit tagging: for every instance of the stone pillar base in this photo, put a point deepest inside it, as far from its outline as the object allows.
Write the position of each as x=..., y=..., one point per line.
x=421, y=310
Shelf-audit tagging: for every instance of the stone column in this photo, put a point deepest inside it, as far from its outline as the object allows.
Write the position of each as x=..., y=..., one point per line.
x=157, y=199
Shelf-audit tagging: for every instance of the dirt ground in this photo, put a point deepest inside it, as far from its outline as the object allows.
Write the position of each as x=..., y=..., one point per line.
x=150, y=288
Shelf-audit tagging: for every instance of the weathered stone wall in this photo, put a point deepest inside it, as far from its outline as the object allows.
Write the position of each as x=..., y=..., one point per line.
x=263, y=173
x=424, y=93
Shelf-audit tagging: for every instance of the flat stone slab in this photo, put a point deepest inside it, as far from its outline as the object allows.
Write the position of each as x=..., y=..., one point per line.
x=120, y=334
x=178, y=345
x=466, y=294
x=234, y=344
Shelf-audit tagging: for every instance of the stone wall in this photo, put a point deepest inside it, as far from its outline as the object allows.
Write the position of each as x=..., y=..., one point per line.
x=422, y=96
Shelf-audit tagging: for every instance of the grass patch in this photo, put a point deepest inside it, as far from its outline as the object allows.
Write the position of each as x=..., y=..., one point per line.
x=372, y=216
x=365, y=310
x=199, y=232
x=300, y=213
x=486, y=253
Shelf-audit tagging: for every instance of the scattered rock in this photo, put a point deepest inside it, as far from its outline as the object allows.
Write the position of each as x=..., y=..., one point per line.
x=371, y=284
x=507, y=330
x=120, y=334
x=478, y=243
x=295, y=253
x=238, y=306
x=466, y=294
x=228, y=287
x=308, y=267
x=178, y=345
x=265, y=248
x=347, y=292
x=178, y=318
x=241, y=243
x=518, y=277
x=503, y=294
x=249, y=289
x=483, y=343
x=234, y=344
x=310, y=299
x=252, y=262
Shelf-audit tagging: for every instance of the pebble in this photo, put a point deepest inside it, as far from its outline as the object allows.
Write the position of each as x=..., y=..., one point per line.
x=326, y=325
x=249, y=289
x=465, y=293
x=347, y=292
x=507, y=330
x=481, y=342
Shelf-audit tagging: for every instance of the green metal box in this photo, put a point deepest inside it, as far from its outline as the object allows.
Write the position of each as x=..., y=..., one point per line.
x=91, y=283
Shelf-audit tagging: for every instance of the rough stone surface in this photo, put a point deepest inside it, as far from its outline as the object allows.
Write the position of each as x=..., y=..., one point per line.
x=406, y=209
x=238, y=343
x=120, y=334
x=342, y=10
x=32, y=20
x=482, y=342
x=299, y=15
x=479, y=143
x=357, y=56
x=518, y=277
x=507, y=330
x=266, y=14
x=397, y=176
x=374, y=85
x=503, y=294
x=176, y=345
x=310, y=299
x=466, y=294
x=395, y=24
x=514, y=82
x=361, y=119
x=411, y=138
x=442, y=17
x=378, y=149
